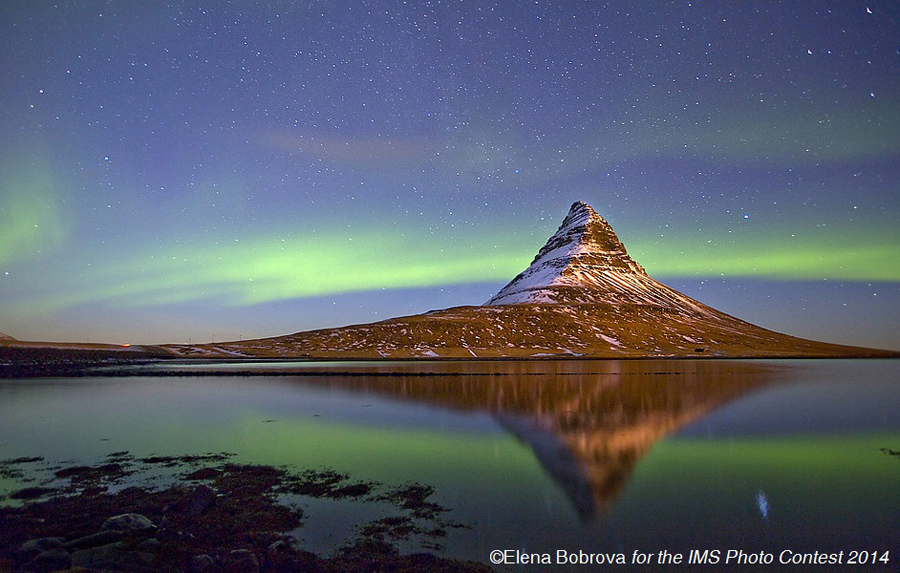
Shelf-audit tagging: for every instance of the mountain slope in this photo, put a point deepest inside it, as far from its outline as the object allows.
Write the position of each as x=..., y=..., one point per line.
x=582, y=295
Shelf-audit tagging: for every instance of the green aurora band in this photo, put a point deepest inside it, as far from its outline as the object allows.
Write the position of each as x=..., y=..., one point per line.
x=265, y=270
x=29, y=217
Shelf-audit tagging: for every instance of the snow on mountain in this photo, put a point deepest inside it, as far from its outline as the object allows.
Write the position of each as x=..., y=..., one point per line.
x=585, y=262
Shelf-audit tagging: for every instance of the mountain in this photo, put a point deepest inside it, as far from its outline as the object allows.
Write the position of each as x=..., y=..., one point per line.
x=582, y=295
x=584, y=262
x=6, y=337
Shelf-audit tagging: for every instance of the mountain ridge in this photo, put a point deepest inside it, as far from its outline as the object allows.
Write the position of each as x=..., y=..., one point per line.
x=582, y=296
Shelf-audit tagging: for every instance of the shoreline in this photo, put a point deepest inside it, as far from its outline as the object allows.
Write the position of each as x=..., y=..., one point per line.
x=212, y=515
x=54, y=362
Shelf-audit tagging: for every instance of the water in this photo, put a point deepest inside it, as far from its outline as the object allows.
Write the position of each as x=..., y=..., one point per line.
x=597, y=456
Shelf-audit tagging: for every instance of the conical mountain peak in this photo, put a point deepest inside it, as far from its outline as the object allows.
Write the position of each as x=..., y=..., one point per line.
x=585, y=262
x=586, y=238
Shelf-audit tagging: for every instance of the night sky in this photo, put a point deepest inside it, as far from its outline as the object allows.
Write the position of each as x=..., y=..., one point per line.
x=188, y=172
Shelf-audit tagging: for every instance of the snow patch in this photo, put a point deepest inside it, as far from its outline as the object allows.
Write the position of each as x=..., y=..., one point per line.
x=231, y=352
x=611, y=341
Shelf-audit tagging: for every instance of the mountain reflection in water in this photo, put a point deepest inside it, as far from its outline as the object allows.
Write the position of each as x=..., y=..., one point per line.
x=588, y=422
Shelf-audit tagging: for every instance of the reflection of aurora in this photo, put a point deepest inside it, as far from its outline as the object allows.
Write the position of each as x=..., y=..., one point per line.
x=588, y=422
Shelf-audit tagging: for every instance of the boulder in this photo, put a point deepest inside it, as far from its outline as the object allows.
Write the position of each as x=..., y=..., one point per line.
x=50, y=560
x=116, y=556
x=151, y=545
x=41, y=544
x=196, y=502
x=95, y=539
x=283, y=557
x=241, y=561
x=201, y=564
x=128, y=523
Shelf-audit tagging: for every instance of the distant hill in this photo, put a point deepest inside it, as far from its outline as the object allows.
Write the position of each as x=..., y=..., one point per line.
x=6, y=337
x=582, y=295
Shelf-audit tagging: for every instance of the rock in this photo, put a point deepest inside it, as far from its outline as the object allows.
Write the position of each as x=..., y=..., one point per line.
x=204, y=473
x=35, y=546
x=29, y=493
x=51, y=560
x=283, y=557
x=95, y=539
x=116, y=556
x=241, y=561
x=128, y=523
x=279, y=554
x=151, y=545
x=196, y=502
x=200, y=564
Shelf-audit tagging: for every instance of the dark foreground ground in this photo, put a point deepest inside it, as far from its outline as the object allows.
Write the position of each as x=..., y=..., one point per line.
x=213, y=516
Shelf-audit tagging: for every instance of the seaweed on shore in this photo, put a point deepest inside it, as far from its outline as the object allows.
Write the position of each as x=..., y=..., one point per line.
x=9, y=467
x=325, y=484
x=175, y=461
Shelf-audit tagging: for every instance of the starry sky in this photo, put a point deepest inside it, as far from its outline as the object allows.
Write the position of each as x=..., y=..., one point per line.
x=188, y=172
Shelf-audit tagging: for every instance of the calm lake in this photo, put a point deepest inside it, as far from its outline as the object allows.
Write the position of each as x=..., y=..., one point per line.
x=597, y=456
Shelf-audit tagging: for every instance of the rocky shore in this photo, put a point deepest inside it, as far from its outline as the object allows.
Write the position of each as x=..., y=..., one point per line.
x=214, y=516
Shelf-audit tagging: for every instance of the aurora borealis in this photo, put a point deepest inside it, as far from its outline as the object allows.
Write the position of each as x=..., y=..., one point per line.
x=180, y=171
